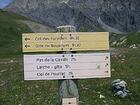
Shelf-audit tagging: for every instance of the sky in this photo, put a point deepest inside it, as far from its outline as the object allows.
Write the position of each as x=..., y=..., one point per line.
x=4, y=3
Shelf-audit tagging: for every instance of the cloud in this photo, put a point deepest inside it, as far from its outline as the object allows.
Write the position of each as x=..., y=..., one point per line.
x=4, y=3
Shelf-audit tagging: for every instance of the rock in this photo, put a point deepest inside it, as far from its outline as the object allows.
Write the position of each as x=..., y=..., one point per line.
x=3, y=83
x=120, y=88
x=98, y=92
x=133, y=46
x=101, y=96
x=114, y=43
x=11, y=61
x=112, y=70
x=2, y=71
x=123, y=38
x=123, y=41
x=122, y=59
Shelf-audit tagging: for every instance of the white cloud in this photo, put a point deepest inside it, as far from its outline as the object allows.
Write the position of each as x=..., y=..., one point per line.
x=4, y=3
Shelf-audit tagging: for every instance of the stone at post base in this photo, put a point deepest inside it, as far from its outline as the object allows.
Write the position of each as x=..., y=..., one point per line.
x=67, y=88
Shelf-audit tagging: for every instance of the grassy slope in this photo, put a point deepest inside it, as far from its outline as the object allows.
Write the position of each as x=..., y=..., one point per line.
x=133, y=38
x=15, y=91
x=127, y=67
x=10, y=34
x=128, y=38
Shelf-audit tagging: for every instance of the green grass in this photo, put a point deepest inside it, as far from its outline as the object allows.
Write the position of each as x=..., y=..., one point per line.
x=130, y=39
x=127, y=69
x=14, y=90
x=10, y=34
x=133, y=38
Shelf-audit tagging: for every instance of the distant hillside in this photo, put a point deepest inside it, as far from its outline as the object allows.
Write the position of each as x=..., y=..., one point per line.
x=87, y=15
x=10, y=33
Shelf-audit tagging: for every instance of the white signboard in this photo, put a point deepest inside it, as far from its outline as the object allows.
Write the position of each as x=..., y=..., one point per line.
x=69, y=101
x=66, y=66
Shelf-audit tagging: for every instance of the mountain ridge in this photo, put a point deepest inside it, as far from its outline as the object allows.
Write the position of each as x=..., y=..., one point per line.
x=121, y=15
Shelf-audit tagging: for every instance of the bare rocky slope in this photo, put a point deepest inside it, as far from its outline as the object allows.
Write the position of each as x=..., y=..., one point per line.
x=86, y=15
x=38, y=28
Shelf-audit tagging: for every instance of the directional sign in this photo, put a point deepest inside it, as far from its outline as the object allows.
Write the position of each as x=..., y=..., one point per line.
x=66, y=66
x=76, y=41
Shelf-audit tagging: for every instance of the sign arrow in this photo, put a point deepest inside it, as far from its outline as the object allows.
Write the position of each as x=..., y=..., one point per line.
x=26, y=39
x=27, y=46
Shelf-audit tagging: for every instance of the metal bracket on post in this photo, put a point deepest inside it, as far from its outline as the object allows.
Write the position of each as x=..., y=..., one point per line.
x=68, y=89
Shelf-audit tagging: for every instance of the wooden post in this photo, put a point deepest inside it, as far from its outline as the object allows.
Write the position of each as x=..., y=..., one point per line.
x=67, y=88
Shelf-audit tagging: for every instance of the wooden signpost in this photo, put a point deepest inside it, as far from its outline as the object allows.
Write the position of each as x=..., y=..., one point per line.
x=66, y=67
x=68, y=89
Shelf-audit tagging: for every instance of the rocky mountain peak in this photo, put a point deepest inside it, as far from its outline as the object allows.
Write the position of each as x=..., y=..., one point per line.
x=89, y=15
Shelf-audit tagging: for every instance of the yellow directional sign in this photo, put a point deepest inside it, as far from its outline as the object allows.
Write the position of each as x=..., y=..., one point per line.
x=75, y=41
